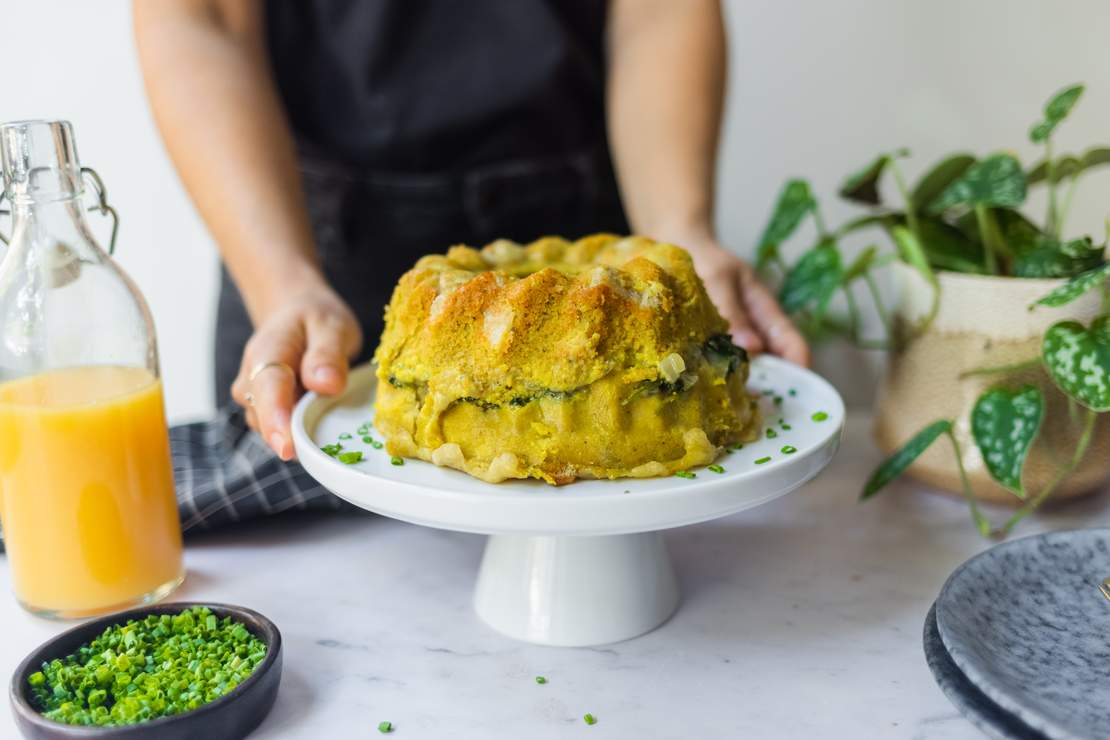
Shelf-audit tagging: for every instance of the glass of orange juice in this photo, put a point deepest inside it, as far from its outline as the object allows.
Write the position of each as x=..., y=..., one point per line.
x=87, y=503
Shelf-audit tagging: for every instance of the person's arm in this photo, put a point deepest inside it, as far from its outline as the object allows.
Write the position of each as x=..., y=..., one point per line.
x=665, y=88
x=216, y=105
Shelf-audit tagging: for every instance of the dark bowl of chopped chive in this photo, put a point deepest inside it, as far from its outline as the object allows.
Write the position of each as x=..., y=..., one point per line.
x=222, y=713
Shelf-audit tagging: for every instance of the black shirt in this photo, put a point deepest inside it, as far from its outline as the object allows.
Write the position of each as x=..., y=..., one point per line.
x=440, y=85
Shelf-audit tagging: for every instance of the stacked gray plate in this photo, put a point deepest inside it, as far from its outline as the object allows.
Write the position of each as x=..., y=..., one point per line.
x=1019, y=638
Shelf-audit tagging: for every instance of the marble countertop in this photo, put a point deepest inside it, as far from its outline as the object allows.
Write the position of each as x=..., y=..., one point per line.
x=801, y=618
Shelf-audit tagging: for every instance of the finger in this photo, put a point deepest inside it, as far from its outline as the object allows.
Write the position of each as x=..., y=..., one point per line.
x=332, y=338
x=252, y=418
x=239, y=390
x=274, y=390
x=270, y=394
x=776, y=328
x=726, y=294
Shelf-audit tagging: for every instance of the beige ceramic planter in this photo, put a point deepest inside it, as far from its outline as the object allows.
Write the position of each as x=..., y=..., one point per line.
x=982, y=322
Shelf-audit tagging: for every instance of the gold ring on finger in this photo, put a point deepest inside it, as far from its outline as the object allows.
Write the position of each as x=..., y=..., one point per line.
x=264, y=366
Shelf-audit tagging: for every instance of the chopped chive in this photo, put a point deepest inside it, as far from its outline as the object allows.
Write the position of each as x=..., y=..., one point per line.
x=350, y=458
x=787, y=427
x=541, y=679
x=736, y=447
x=364, y=429
x=685, y=474
x=332, y=450
x=762, y=460
x=345, y=435
x=778, y=400
x=792, y=392
x=590, y=719
x=716, y=469
x=627, y=491
x=376, y=444
x=819, y=416
x=396, y=461
x=789, y=449
x=144, y=669
x=368, y=440
x=768, y=391
x=771, y=433
x=385, y=727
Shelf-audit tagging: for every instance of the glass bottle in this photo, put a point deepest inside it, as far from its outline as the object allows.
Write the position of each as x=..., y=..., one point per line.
x=87, y=499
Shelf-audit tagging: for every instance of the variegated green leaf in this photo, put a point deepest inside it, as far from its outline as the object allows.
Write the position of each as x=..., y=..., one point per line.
x=947, y=248
x=1049, y=258
x=1075, y=287
x=794, y=202
x=1078, y=360
x=811, y=282
x=1040, y=131
x=1060, y=105
x=1069, y=166
x=863, y=186
x=1004, y=424
x=1055, y=110
x=936, y=180
x=997, y=180
x=897, y=463
x=861, y=264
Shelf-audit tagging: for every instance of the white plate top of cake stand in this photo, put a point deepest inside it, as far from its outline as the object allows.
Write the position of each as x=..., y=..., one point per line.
x=583, y=563
x=422, y=493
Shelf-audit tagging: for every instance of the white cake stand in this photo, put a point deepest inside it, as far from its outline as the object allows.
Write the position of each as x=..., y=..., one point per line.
x=582, y=564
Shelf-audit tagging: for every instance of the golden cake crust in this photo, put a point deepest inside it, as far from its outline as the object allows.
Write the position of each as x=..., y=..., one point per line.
x=551, y=360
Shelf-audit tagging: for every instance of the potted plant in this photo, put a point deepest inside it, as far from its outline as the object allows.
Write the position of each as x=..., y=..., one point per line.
x=1000, y=339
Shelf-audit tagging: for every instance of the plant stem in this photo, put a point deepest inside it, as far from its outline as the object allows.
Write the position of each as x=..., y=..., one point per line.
x=1073, y=410
x=853, y=312
x=884, y=317
x=1077, y=458
x=990, y=259
x=992, y=369
x=819, y=220
x=1067, y=205
x=911, y=215
x=981, y=522
x=885, y=259
x=1050, y=181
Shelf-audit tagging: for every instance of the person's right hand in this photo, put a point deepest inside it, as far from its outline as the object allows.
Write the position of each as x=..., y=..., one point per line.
x=304, y=344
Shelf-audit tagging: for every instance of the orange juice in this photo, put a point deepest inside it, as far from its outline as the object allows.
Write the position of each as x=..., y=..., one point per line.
x=87, y=500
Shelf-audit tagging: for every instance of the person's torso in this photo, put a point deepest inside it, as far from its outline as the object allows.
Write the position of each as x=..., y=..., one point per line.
x=438, y=85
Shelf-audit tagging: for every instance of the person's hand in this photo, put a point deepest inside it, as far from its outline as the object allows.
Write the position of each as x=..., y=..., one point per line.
x=755, y=319
x=304, y=344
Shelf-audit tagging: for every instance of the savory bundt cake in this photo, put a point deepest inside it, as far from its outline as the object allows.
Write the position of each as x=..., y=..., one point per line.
x=601, y=358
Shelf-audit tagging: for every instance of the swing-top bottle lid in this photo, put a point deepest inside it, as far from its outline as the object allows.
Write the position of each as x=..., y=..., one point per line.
x=39, y=160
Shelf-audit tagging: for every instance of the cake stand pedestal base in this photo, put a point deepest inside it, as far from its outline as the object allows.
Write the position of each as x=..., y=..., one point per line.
x=575, y=591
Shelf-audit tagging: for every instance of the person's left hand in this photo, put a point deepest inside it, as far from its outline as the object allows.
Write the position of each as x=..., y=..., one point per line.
x=755, y=319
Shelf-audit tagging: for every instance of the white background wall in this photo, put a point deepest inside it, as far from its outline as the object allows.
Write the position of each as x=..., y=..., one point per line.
x=816, y=89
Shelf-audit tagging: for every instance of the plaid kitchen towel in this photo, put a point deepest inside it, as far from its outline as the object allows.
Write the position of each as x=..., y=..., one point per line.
x=225, y=473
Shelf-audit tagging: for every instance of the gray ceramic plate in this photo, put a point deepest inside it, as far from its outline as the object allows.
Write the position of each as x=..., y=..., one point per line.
x=972, y=703
x=1026, y=624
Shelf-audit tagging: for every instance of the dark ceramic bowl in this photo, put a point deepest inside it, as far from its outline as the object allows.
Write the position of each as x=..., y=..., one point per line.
x=230, y=717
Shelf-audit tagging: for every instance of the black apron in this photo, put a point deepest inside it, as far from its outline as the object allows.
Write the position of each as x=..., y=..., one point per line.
x=426, y=123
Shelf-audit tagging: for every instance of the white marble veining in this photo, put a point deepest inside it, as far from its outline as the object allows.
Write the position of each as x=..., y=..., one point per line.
x=801, y=618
